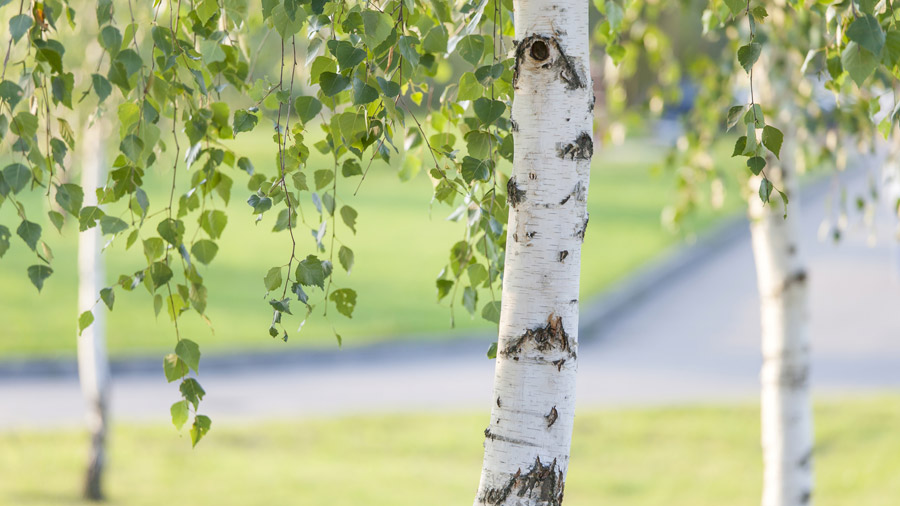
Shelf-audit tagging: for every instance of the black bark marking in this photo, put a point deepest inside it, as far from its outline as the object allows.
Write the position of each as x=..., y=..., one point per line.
x=796, y=278
x=563, y=254
x=543, y=483
x=514, y=125
x=563, y=201
x=583, y=228
x=532, y=176
x=498, y=403
x=531, y=234
x=581, y=148
x=591, y=104
x=559, y=363
x=538, y=47
x=515, y=237
x=551, y=416
x=795, y=378
x=805, y=497
x=497, y=437
x=544, y=338
x=513, y=194
x=806, y=460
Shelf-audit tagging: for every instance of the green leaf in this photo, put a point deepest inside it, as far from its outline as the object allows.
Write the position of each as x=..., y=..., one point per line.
x=204, y=251
x=471, y=48
x=765, y=190
x=736, y=6
x=436, y=40
x=24, y=124
x=867, y=32
x=5, y=234
x=154, y=248
x=191, y=391
x=470, y=299
x=347, y=55
x=30, y=232
x=489, y=110
x=307, y=108
x=174, y=367
x=363, y=93
x=85, y=321
x=858, y=63
x=201, y=426
x=348, y=214
x=110, y=225
x=69, y=197
x=310, y=272
x=747, y=55
x=38, y=274
x=110, y=39
x=160, y=274
x=88, y=217
x=282, y=306
x=108, y=296
x=259, y=204
x=332, y=83
x=345, y=257
x=132, y=146
x=189, y=352
x=213, y=223
x=17, y=176
x=273, y=279
x=734, y=116
x=469, y=87
x=491, y=311
x=18, y=25
x=377, y=27
x=57, y=220
x=756, y=164
x=171, y=230
x=244, y=121
x=474, y=169
x=772, y=139
x=492, y=351
x=344, y=300
x=179, y=412
x=11, y=93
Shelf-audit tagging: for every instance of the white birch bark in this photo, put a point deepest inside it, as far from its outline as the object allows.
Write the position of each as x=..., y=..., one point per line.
x=787, y=435
x=93, y=365
x=528, y=439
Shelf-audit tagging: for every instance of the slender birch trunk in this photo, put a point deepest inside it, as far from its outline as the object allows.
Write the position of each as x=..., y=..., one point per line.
x=787, y=436
x=530, y=432
x=93, y=366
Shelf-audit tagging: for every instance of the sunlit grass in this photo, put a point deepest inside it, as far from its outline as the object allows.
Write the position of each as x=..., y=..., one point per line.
x=696, y=456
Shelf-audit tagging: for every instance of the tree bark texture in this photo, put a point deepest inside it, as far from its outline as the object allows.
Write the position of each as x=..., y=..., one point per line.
x=527, y=441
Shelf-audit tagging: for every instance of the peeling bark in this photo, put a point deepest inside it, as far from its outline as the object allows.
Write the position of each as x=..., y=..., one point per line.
x=538, y=339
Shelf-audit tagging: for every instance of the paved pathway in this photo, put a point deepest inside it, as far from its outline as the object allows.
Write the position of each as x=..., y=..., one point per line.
x=694, y=339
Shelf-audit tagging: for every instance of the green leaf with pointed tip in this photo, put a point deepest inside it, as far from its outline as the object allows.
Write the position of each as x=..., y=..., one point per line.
x=471, y=48
x=17, y=176
x=345, y=257
x=736, y=6
x=84, y=321
x=179, y=412
x=866, y=31
x=171, y=230
x=363, y=93
x=18, y=25
x=489, y=110
x=160, y=274
x=30, y=232
x=492, y=351
x=273, y=279
x=204, y=251
x=756, y=164
x=332, y=83
x=310, y=272
x=858, y=62
x=348, y=214
x=174, y=367
x=132, y=146
x=772, y=139
x=200, y=428
x=307, y=108
x=56, y=219
x=765, y=190
x=244, y=121
x=108, y=296
x=110, y=225
x=69, y=197
x=191, y=391
x=189, y=352
x=377, y=27
x=747, y=55
x=491, y=311
x=344, y=300
x=213, y=223
x=38, y=274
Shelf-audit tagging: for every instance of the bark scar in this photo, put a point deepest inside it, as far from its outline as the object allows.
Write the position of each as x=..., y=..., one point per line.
x=542, y=484
x=514, y=195
x=582, y=148
x=540, y=49
x=543, y=338
x=551, y=416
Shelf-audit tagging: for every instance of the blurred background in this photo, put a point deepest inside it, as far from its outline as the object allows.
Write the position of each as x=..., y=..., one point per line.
x=669, y=353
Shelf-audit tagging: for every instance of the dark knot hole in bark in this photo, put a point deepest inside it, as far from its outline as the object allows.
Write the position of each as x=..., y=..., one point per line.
x=539, y=50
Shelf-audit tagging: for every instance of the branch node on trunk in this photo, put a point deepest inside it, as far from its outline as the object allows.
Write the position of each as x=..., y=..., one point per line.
x=551, y=417
x=542, y=339
x=543, y=483
x=513, y=194
x=581, y=148
x=545, y=53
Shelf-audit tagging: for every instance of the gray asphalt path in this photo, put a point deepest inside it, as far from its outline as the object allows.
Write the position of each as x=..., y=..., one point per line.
x=695, y=338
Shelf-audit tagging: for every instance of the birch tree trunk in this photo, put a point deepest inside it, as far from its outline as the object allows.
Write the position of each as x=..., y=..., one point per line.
x=530, y=432
x=93, y=366
x=787, y=436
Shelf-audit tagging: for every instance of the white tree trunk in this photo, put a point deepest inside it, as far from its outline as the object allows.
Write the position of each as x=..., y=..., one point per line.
x=530, y=432
x=93, y=365
x=787, y=436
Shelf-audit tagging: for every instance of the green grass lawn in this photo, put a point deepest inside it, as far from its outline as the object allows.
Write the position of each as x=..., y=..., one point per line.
x=694, y=456
x=401, y=245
